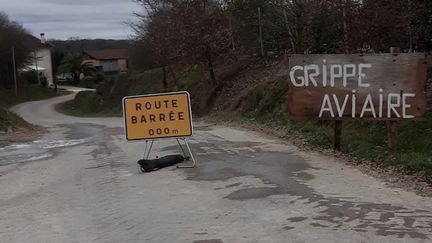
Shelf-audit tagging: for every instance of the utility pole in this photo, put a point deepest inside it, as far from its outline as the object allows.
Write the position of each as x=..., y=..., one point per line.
x=14, y=71
x=260, y=32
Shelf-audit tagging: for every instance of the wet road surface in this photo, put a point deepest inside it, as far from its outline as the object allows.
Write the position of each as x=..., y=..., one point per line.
x=81, y=183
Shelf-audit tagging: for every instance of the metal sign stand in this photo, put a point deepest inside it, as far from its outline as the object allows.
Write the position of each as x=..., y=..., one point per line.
x=149, y=145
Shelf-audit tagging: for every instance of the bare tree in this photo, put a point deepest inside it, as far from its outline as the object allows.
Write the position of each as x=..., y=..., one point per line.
x=186, y=32
x=200, y=31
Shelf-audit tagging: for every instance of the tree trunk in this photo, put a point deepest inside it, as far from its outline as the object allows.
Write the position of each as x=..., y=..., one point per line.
x=210, y=65
x=410, y=28
x=2, y=79
x=293, y=47
x=76, y=78
x=55, y=83
x=171, y=70
x=345, y=26
x=164, y=80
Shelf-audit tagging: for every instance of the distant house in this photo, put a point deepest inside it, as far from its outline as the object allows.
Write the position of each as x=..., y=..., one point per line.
x=40, y=57
x=109, y=61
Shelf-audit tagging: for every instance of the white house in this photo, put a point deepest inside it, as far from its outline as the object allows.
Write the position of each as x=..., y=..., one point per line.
x=40, y=57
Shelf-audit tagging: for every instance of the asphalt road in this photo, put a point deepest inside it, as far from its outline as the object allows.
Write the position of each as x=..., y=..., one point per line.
x=81, y=183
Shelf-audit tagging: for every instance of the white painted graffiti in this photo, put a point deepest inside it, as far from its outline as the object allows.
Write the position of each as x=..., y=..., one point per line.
x=374, y=104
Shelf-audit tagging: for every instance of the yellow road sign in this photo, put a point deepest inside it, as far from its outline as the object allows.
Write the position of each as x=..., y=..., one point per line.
x=166, y=115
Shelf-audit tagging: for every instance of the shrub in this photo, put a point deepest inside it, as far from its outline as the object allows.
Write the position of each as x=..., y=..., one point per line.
x=30, y=77
x=44, y=82
x=87, y=101
x=99, y=78
x=88, y=82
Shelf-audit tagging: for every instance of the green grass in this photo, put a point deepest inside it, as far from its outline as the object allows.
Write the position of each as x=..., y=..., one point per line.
x=26, y=93
x=86, y=105
x=9, y=120
x=70, y=108
x=415, y=145
x=367, y=140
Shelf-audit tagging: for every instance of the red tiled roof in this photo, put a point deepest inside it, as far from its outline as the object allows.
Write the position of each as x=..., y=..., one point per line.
x=108, y=54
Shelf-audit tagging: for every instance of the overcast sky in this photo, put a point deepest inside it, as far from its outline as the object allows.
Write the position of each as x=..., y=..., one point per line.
x=62, y=19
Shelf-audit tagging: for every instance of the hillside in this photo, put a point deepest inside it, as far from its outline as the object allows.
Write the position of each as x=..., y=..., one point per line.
x=10, y=121
x=255, y=94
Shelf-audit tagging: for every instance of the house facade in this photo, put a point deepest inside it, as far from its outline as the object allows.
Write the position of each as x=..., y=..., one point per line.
x=40, y=57
x=108, y=61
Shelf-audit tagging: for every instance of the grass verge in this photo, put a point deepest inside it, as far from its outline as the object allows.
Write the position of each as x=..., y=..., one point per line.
x=361, y=140
x=70, y=108
x=85, y=105
x=27, y=93
x=9, y=121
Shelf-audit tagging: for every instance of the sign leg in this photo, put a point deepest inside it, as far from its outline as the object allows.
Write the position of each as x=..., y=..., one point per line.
x=190, y=154
x=181, y=147
x=147, y=149
x=337, y=134
x=391, y=135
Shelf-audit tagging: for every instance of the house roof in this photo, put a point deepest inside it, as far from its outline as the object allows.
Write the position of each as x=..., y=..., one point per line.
x=34, y=43
x=108, y=54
